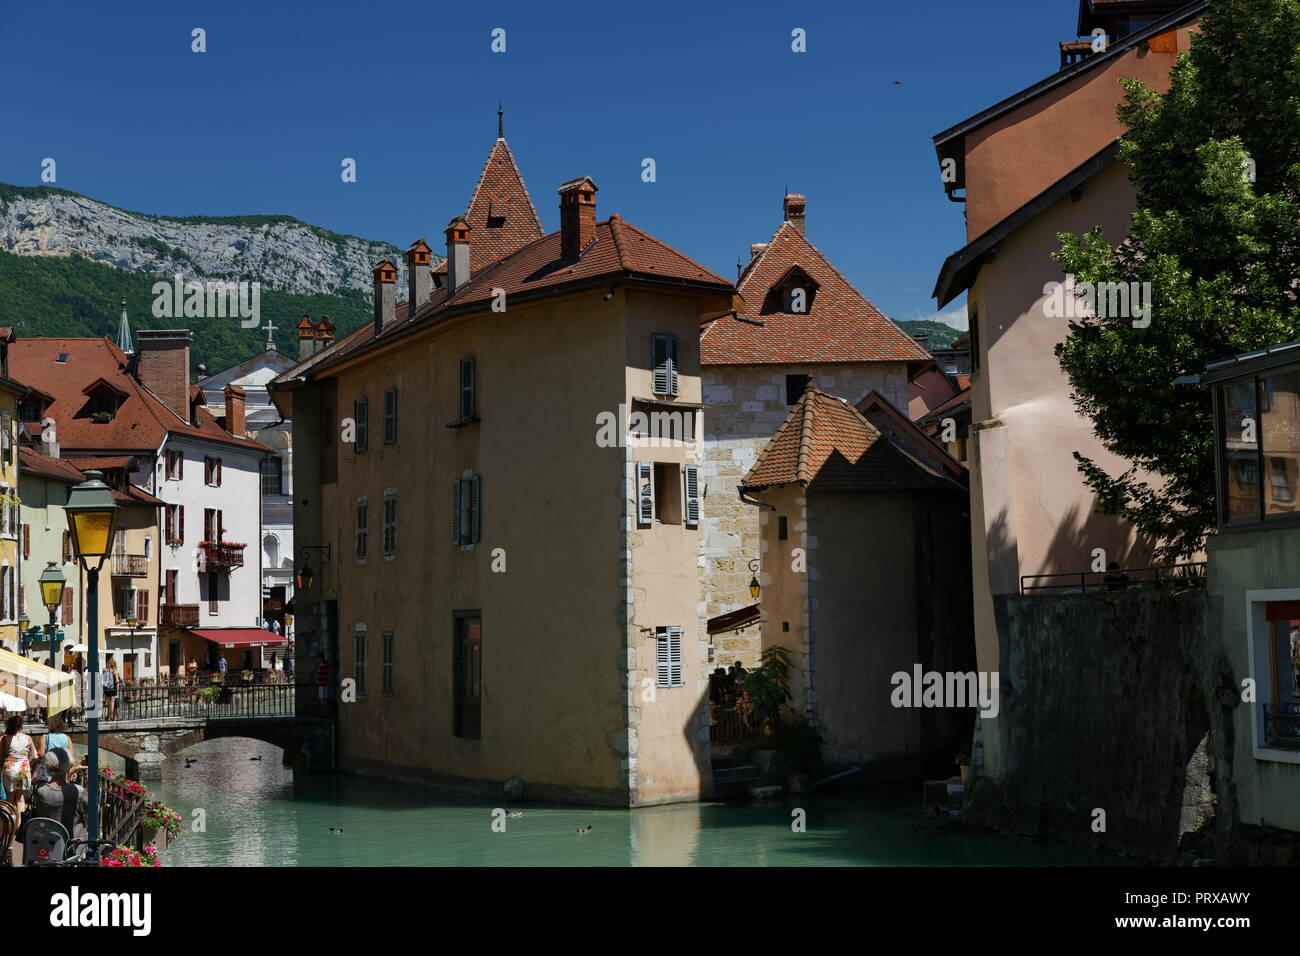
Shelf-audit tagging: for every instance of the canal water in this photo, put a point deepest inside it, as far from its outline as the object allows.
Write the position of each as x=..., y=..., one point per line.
x=256, y=814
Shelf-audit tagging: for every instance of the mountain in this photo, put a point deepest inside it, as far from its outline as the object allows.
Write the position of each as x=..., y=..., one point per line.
x=941, y=335
x=67, y=261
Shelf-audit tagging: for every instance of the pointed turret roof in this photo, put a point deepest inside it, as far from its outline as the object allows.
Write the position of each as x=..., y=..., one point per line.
x=501, y=215
x=124, y=333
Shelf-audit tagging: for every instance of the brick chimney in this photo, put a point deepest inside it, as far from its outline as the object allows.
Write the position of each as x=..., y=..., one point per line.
x=457, y=254
x=324, y=333
x=577, y=216
x=235, y=411
x=306, y=338
x=163, y=365
x=793, y=210
x=755, y=248
x=419, y=265
x=385, y=294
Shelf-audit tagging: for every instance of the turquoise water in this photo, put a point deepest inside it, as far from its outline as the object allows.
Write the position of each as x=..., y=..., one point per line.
x=257, y=815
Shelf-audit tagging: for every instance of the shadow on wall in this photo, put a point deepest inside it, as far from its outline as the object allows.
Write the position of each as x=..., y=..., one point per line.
x=1077, y=538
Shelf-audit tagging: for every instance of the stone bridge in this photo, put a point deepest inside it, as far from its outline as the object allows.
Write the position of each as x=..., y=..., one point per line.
x=307, y=742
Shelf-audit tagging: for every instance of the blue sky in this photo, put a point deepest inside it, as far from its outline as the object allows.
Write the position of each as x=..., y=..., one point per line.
x=260, y=123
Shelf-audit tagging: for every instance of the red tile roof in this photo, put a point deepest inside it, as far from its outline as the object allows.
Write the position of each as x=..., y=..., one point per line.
x=841, y=325
x=620, y=251
x=828, y=445
x=139, y=423
x=58, y=469
x=501, y=215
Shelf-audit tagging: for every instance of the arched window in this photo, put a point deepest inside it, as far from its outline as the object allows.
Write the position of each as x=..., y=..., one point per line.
x=271, y=550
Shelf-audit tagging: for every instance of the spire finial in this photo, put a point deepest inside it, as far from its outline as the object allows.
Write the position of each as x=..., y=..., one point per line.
x=501, y=123
x=124, y=332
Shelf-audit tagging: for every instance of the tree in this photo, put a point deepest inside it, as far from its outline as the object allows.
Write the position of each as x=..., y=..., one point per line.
x=1216, y=165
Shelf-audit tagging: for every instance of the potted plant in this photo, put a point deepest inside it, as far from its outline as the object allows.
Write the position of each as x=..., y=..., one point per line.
x=963, y=765
x=767, y=688
x=159, y=822
x=124, y=856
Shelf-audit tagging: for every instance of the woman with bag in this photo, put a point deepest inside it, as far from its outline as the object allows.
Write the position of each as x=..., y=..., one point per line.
x=110, y=683
x=18, y=752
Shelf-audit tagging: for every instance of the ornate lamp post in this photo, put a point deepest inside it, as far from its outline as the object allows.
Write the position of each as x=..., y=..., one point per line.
x=754, y=589
x=91, y=510
x=52, y=584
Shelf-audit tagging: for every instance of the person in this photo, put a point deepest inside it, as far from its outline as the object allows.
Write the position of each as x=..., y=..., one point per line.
x=110, y=683
x=78, y=701
x=740, y=672
x=192, y=671
x=79, y=664
x=1115, y=579
x=59, y=799
x=56, y=736
x=18, y=752
x=715, y=686
x=288, y=667
x=221, y=667
x=323, y=682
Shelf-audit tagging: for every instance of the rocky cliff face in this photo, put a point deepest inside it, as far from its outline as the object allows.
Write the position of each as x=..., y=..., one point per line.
x=279, y=251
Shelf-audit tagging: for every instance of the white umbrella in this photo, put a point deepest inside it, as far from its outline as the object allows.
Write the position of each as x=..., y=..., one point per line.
x=11, y=703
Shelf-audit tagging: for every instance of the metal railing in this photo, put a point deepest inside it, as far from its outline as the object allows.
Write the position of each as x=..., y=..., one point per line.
x=729, y=723
x=219, y=555
x=205, y=701
x=120, y=812
x=1188, y=575
x=179, y=615
x=130, y=565
x=1282, y=725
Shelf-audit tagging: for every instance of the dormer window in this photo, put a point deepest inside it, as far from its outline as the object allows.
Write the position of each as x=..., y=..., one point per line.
x=793, y=294
x=61, y=358
x=103, y=399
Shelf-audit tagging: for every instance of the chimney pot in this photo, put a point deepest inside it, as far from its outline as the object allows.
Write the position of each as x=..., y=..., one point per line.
x=457, y=233
x=385, y=275
x=235, y=411
x=306, y=338
x=163, y=365
x=419, y=266
x=577, y=216
x=793, y=208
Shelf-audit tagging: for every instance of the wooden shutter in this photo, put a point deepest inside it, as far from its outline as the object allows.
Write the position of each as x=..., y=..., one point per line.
x=467, y=388
x=475, y=508
x=67, y=604
x=220, y=529
x=207, y=470
x=675, y=656
x=361, y=414
x=180, y=465
x=67, y=546
x=218, y=481
x=22, y=598
x=662, y=668
x=390, y=415
x=180, y=521
x=168, y=532
x=692, y=495
x=171, y=587
x=27, y=541
x=455, y=511
x=664, y=362
x=645, y=492
x=142, y=606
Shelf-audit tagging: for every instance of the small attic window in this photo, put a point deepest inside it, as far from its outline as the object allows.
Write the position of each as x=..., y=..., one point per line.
x=793, y=294
x=62, y=358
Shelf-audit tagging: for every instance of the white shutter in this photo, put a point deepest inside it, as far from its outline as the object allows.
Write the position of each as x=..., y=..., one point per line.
x=662, y=669
x=455, y=511
x=475, y=508
x=645, y=492
x=692, y=495
x=663, y=359
x=675, y=656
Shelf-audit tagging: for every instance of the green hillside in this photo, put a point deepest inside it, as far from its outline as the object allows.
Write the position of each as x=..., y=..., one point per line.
x=72, y=296
x=941, y=335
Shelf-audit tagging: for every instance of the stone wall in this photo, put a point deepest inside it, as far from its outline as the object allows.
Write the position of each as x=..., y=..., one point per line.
x=1108, y=707
x=744, y=406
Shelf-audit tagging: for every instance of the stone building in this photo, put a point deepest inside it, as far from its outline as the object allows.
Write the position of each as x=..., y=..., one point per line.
x=509, y=587
x=802, y=320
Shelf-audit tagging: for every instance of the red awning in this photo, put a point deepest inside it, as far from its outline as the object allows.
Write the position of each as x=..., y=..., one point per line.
x=238, y=636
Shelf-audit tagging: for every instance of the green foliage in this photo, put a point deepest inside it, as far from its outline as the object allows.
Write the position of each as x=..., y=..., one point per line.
x=768, y=686
x=797, y=740
x=1222, y=255
x=941, y=335
x=72, y=296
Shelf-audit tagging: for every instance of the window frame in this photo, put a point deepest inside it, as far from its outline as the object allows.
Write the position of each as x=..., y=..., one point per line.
x=360, y=636
x=361, y=529
x=390, y=415
x=390, y=524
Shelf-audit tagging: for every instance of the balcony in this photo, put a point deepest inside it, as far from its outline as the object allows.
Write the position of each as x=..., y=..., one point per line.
x=130, y=565
x=222, y=555
x=179, y=615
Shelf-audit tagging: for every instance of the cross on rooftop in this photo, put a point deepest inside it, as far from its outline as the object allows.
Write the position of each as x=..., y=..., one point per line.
x=268, y=329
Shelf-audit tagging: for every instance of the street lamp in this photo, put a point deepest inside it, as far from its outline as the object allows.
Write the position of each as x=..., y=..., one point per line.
x=754, y=588
x=91, y=510
x=52, y=583
x=304, y=579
